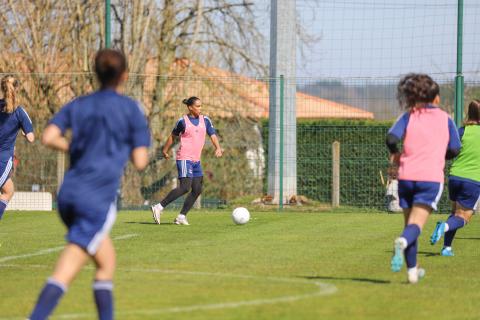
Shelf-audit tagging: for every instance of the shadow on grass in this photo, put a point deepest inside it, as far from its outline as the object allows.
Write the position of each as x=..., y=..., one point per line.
x=428, y=254
x=151, y=223
x=375, y=281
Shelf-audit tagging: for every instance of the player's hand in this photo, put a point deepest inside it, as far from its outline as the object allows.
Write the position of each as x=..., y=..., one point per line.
x=218, y=152
x=165, y=154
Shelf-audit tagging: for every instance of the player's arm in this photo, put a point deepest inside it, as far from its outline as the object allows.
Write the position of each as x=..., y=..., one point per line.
x=216, y=143
x=394, y=136
x=53, y=138
x=454, y=144
x=140, y=138
x=212, y=133
x=167, y=146
x=26, y=125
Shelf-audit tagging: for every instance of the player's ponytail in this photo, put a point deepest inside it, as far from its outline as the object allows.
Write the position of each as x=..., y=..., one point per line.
x=190, y=101
x=8, y=85
x=473, y=113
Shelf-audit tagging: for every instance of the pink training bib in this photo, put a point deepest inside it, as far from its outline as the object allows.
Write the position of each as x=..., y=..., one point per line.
x=425, y=146
x=192, y=140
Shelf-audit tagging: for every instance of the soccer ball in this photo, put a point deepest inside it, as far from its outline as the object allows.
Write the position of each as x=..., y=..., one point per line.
x=240, y=216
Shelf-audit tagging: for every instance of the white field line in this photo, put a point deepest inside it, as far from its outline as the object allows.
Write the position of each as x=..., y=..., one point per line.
x=321, y=289
x=54, y=249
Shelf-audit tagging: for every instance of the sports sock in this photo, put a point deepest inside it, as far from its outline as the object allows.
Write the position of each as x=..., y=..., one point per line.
x=411, y=233
x=411, y=255
x=3, y=206
x=48, y=299
x=454, y=223
x=102, y=290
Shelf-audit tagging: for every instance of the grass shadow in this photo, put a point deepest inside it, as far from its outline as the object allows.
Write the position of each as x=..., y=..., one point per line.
x=428, y=254
x=374, y=281
x=148, y=223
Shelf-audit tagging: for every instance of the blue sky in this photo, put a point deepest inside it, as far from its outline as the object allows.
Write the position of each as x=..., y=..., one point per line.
x=385, y=38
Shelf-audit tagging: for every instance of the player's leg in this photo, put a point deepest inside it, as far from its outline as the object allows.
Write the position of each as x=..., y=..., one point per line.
x=71, y=261
x=103, y=286
x=405, y=195
x=457, y=221
x=6, y=195
x=185, y=183
x=197, y=183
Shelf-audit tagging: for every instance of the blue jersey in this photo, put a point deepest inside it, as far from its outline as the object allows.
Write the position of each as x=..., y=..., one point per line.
x=10, y=123
x=180, y=126
x=106, y=127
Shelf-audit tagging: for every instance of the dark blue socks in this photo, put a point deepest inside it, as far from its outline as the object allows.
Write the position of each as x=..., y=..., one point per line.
x=104, y=299
x=411, y=233
x=3, y=206
x=454, y=223
x=48, y=300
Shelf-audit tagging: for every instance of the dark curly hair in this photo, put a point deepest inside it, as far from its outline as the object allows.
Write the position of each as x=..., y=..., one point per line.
x=190, y=101
x=416, y=88
x=473, y=113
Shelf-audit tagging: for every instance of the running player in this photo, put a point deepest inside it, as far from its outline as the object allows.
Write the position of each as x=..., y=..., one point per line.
x=463, y=183
x=12, y=118
x=191, y=129
x=429, y=136
x=107, y=129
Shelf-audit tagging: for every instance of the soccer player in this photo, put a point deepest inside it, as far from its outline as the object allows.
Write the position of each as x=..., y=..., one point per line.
x=429, y=137
x=463, y=183
x=191, y=129
x=12, y=118
x=107, y=129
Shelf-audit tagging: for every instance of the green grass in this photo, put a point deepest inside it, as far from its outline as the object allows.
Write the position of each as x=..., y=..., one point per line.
x=285, y=253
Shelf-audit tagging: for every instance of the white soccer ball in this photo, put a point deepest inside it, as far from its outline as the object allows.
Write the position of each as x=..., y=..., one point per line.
x=240, y=215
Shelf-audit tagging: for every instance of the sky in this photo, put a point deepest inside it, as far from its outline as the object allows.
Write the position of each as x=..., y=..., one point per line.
x=384, y=38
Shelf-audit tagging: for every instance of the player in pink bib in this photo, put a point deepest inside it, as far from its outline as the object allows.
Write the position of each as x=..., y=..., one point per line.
x=429, y=137
x=191, y=129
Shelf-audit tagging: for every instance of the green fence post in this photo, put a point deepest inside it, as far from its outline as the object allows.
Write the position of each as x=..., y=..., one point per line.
x=459, y=80
x=280, y=198
x=108, y=30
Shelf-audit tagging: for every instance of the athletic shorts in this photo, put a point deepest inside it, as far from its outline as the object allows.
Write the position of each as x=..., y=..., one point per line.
x=466, y=193
x=87, y=226
x=6, y=168
x=189, y=169
x=419, y=192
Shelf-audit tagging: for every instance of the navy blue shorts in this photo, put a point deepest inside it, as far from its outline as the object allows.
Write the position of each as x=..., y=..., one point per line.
x=466, y=193
x=419, y=192
x=189, y=169
x=6, y=168
x=87, y=226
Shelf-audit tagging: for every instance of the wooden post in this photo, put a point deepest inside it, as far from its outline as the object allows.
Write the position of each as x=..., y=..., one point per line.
x=336, y=174
x=60, y=168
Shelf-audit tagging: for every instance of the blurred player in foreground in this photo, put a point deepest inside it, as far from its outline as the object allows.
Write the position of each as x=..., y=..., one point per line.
x=429, y=137
x=107, y=129
x=12, y=118
x=463, y=182
x=191, y=129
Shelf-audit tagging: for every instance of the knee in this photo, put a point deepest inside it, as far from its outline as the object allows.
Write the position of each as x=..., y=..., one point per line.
x=184, y=189
x=105, y=271
x=197, y=190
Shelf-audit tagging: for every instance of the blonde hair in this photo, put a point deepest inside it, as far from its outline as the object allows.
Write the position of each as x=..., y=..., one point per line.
x=8, y=85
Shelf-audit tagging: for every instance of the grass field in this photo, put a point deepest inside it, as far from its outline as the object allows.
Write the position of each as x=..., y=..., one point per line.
x=279, y=266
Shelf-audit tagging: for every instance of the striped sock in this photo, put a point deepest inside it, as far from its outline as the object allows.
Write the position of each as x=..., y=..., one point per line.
x=102, y=291
x=48, y=299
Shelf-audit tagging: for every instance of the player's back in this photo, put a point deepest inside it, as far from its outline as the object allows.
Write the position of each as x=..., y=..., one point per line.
x=103, y=128
x=10, y=123
x=425, y=145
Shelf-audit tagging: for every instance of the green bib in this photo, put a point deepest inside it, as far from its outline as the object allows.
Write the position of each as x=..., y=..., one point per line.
x=467, y=164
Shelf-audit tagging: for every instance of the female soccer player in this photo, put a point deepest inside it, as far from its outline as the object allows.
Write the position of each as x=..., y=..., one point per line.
x=429, y=136
x=12, y=118
x=107, y=129
x=192, y=129
x=464, y=181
